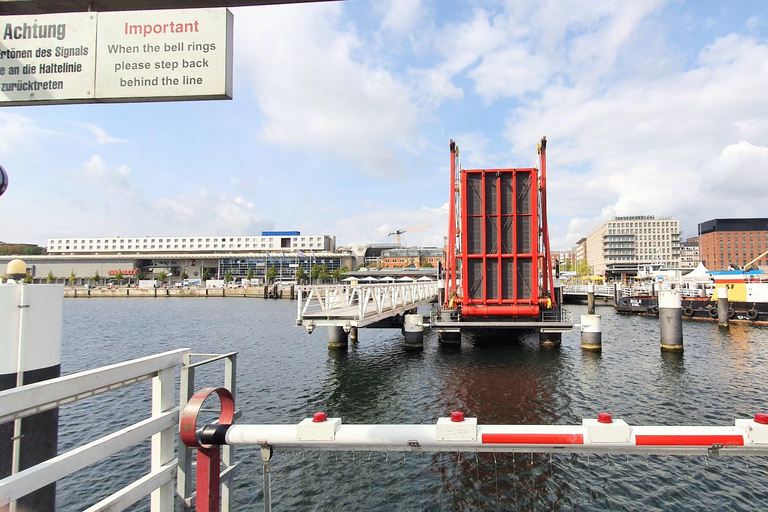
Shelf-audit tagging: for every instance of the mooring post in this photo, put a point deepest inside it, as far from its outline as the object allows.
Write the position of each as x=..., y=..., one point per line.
x=722, y=306
x=353, y=334
x=414, y=332
x=591, y=333
x=671, y=320
x=30, y=336
x=591, y=298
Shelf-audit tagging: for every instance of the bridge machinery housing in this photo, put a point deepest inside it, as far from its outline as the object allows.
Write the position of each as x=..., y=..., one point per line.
x=499, y=272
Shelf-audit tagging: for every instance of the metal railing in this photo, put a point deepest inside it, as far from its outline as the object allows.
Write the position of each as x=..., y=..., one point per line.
x=184, y=489
x=360, y=304
x=601, y=290
x=161, y=426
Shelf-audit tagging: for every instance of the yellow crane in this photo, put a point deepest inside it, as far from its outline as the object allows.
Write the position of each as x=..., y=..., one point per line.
x=407, y=230
x=749, y=265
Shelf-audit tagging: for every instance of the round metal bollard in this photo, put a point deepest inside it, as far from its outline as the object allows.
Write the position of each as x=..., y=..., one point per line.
x=414, y=332
x=591, y=332
x=670, y=320
x=723, y=308
x=591, y=298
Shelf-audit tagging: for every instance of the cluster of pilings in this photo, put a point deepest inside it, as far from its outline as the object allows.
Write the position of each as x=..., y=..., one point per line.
x=412, y=327
x=670, y=322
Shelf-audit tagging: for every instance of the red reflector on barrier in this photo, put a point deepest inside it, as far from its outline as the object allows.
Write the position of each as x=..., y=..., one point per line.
x=533, y=439
x=704, y=440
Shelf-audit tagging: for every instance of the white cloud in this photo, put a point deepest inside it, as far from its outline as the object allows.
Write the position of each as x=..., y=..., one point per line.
x=655, y=147
x=97, y=175
x=19, y=133
x=101, y=136
x=401, y=16
x=319, y=92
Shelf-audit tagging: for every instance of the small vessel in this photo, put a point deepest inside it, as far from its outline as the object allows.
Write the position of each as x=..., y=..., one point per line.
x=747, y=292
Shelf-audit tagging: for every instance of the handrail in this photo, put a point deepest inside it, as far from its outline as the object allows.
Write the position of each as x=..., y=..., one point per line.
x=362, y=301
x=161, y=426
x=49, y=394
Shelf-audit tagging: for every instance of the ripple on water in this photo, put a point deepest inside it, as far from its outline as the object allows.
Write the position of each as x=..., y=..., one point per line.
x=285, y=375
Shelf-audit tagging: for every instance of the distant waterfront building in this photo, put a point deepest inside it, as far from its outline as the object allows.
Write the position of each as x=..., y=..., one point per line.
x=195, y=257
x=621, y=246
x=580, y=251
x=411, y=257
x=726, y=242
x=689, y=254
x=269, y=240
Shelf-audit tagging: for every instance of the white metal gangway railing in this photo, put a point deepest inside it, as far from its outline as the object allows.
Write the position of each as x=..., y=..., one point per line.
x=161, y=427
x=601, y=435
x=359, y=305
x=601, y=290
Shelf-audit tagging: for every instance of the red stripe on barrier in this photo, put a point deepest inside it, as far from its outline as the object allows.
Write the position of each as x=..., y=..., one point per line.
x=691, y=440
x=533, y=439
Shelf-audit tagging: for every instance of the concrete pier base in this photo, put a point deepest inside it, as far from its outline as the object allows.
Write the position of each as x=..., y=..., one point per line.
x=449, y=336
x=723, y=319
x=670, y=321
x=591, y=333
x=353, y=334
x=413, y=329
x=550, y=339
x=337, y=338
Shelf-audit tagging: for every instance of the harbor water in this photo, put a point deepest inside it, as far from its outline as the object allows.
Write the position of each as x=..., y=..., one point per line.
x=285, y=375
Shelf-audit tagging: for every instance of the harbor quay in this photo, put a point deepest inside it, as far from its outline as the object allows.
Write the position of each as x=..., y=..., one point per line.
x=254, y=292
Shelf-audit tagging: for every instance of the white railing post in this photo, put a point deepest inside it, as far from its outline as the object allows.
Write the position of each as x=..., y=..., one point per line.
x=184, y=475
x=163, y=442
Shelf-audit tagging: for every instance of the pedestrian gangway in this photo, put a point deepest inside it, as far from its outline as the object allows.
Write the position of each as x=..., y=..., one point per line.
x=581, y=290
x=359, y=305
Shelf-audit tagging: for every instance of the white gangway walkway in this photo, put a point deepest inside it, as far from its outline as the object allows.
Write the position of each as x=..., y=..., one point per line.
x=359, y=305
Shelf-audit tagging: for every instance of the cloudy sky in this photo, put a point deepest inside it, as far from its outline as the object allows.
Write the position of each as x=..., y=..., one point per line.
x=342, y=115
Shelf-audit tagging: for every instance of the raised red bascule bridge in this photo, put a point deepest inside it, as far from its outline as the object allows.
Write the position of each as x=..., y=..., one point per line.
x=498, y=269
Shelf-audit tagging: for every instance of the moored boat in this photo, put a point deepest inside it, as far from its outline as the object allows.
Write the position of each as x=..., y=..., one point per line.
x=747, y=293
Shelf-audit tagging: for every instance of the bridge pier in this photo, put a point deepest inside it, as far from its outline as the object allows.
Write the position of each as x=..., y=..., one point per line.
x=550, y=339
x=353, y=334
x=413, y=330
x=337, y=338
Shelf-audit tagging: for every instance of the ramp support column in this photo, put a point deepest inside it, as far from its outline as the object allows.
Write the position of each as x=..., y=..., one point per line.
x=337, y=338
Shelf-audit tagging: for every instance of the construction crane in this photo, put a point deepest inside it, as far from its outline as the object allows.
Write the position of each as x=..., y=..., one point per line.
x=407, y=230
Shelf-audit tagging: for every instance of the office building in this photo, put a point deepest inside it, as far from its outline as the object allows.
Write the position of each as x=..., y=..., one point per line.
x=724, y=243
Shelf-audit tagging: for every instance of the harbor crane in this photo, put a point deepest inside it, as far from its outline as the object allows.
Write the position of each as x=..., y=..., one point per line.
x=407, y=230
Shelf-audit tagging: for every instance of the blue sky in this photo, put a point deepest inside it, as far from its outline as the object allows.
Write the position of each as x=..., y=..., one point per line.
x=342, y=114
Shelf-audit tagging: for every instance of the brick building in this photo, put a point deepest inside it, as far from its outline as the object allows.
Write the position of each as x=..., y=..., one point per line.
x=726, y=242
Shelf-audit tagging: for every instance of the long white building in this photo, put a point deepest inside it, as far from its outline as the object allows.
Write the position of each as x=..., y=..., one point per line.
x=269, y=240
